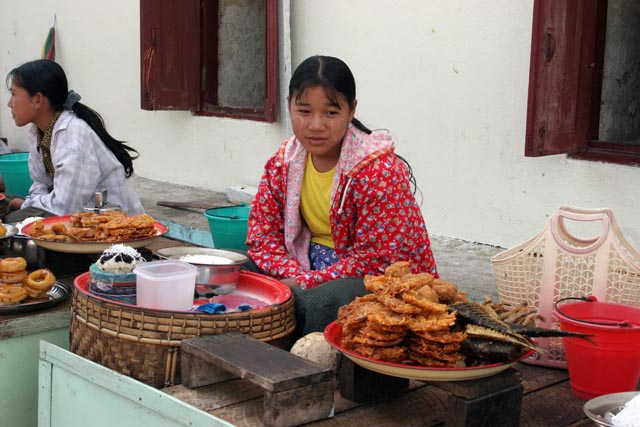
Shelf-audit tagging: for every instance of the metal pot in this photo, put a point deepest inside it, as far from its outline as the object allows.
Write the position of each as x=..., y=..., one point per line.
x=23, y=246
x=218, y=270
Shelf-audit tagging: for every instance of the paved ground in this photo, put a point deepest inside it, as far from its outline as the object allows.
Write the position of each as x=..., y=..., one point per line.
x=464, y=263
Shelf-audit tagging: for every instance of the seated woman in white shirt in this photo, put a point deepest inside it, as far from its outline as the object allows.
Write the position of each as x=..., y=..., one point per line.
x=71, y=154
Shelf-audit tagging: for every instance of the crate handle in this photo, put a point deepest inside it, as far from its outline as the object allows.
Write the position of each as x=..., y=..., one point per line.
x=558, y=230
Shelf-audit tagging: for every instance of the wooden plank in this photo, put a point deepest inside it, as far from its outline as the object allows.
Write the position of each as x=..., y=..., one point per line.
x=270, y=367
x=537, y=377
x=425, y=406
x=551, y=406
x=18, y=325
x=212, y=397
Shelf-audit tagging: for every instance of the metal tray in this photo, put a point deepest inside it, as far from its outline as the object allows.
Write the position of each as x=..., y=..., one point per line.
x=12, y=230
x=58, y=293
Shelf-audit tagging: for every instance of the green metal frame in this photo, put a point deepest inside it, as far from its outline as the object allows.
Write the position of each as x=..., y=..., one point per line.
x=75, y=392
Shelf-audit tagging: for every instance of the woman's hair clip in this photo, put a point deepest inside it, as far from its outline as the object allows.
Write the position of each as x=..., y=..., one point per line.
x=72, y=98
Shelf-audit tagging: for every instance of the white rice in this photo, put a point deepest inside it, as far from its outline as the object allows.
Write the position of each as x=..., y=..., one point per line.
x=629, y=416
x=206, y=259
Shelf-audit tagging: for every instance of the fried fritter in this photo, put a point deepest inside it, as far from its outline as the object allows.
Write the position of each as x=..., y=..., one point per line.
x=446, y=291
x=398, y=269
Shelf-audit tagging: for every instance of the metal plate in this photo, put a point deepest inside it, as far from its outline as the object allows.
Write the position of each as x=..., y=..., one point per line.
x=88, y=247
x=58, y=293
x=12, y=230
x=600, y=409
x=333, y=335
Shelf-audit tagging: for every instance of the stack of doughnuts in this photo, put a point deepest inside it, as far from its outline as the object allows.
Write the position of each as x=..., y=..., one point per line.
x=16, y=284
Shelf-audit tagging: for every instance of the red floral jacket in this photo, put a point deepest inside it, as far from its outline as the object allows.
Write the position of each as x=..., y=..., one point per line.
x=375, y=220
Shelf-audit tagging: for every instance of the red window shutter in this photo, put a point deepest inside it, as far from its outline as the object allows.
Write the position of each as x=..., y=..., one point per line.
x=562, y=76
x=170, y=49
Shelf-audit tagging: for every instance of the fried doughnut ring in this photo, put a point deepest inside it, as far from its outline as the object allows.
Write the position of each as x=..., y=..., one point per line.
x=10, y=295
x=59, y=228
x=13, y=278
x=12, y=265
x=40, y=280
x=34, y=293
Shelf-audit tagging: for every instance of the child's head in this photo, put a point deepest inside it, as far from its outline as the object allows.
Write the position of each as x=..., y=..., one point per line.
x=44, y=76
x=330, y=73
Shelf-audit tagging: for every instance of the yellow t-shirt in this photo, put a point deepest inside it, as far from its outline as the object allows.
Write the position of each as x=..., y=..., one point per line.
x=315, y=203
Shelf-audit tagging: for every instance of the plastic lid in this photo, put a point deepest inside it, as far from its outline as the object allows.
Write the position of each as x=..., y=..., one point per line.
x=166, y=269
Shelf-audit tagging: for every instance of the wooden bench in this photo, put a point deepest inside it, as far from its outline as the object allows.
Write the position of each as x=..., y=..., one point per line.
x=297, y=391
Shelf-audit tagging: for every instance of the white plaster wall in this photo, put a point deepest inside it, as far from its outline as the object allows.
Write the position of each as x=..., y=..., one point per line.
x=448, y=77
x=98, y=45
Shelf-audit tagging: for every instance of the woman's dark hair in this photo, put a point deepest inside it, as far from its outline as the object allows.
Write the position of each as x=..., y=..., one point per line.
x=48, y=78
x=335, y=77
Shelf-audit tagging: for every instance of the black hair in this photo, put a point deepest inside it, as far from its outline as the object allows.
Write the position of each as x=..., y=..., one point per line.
x=334, y=77
x=48, y=78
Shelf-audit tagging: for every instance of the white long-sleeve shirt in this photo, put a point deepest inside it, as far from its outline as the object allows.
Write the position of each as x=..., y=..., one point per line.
x=83, y=165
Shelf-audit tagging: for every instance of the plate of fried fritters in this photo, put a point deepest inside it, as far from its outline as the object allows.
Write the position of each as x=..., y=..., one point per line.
x=406, y=328
x=333, y=335
x=93, y=232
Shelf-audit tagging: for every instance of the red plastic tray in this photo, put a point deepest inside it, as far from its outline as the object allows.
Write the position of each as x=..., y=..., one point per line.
x=255, y=285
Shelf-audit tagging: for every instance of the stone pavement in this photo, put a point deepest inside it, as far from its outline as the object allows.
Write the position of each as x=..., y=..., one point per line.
x=464, y=263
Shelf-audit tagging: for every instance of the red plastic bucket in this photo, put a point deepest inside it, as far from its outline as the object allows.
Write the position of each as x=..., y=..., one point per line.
x=611, y=363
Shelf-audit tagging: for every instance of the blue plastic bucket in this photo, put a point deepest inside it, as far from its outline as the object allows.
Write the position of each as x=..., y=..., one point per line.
x=14, y=169
x=228, y=226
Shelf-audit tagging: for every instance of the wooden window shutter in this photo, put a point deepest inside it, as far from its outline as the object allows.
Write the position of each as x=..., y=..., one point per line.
x=271, y=48
x=562, y=76
x=170, y=50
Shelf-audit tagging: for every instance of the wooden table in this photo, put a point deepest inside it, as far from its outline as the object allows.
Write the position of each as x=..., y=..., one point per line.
x=547, y=402
x=547, y=399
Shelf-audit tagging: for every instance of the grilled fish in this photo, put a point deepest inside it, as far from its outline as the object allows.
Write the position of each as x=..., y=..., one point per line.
x=477, y=331
x=478, y=314
x=533, y=332
x=484, y=351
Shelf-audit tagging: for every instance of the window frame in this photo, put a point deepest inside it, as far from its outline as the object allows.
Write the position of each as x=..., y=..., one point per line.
x=563, y=107
x=174, y=55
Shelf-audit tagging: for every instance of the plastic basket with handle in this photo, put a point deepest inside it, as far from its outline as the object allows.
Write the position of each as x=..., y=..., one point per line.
x=556, y=264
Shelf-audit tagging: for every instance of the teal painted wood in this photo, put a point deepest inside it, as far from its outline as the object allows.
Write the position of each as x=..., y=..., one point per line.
x=186, y=233
x=76, y=392
x=19, y=375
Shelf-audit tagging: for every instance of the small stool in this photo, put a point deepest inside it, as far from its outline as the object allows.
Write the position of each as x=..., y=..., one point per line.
x=492, y=400
x=297, y=391
x=359, y=384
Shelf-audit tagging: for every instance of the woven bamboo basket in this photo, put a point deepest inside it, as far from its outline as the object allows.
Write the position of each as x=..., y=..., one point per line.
x=556, y=264
x=145, y=344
